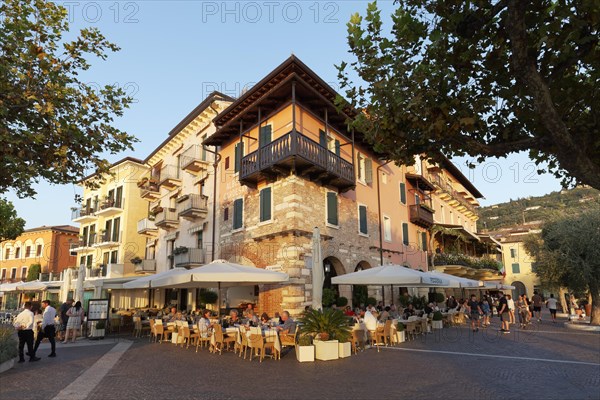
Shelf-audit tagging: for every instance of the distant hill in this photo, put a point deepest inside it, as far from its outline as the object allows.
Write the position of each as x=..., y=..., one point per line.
x=532, y=209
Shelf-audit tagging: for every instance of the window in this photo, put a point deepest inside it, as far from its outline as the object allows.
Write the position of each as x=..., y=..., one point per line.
x=239, y=153
x=265, y=204
x=424, y=241
x=199, y=242
x=417, y=199
x=116, y=229
x=89, y=260
x=13, y=273
x=329, y=142
x=27, y=251
x=226, y=162
x=513, y=253
x=332, y=208
x=365, y=169
x=238, y=214
x=387, y=228
x=405, y=233
x=17, y=253
x=402, y=192
x=38, y=251
x=7, y=253
x=226, y=214
x=24, y=273
x=203, y=157
x=362, y=220
x=264, y=136
x=114, y=257
x=119, y=197
x=82, y=260
x=3, y=276
x=516, y=268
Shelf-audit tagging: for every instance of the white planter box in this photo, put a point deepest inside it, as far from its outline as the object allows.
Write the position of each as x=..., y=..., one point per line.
x=305, y=353
x=437, y=324
x=8, y=364
x=400, y=337
x=344, y=350
x=326, y=350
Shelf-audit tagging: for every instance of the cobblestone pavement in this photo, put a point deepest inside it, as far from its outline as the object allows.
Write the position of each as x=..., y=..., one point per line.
x=545, y=361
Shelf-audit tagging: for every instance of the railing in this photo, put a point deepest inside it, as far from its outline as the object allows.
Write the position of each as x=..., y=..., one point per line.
x=191, y=154
x=86, y=241
x=296, y=144
x=111, y=203
x=447, y=187
x=192, y=256
x=168, y=172
x=168, y=215
x=419, y=215
x=145, y=266
x=109, y=237
x=145, y=224
x=82, y=212
x=193, y=202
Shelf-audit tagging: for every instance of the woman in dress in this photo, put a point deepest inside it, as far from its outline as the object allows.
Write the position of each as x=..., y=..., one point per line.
x=75, y=315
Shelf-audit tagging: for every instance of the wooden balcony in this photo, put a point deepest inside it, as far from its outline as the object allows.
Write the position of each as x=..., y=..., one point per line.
x=295, y=151
x=193, y=160
x=420, y=181
x=193, y=206
x=421, y=215
x=147, y=227
x=191, y=258
x=167, y=219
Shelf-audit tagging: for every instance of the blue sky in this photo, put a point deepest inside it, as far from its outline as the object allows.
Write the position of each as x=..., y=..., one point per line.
x=173, y=53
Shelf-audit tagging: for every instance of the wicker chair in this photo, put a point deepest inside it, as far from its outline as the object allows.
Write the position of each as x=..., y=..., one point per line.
x=288, y=339
x=203, y=337
x=221, y=340
x=256, y=343
x=358, y=340
x=384, y=333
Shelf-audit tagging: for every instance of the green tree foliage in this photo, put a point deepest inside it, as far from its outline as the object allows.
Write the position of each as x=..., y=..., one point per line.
x=481, y=78
x=567, y=254
x=33, y=272
x=329, y=296
x=53, y=126
x=11, y=226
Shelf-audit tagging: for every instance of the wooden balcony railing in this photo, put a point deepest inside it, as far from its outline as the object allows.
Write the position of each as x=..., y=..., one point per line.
x=421, y=215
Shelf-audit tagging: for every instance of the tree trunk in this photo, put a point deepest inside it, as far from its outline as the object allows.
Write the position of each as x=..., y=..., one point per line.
x=595, y=317
x=563, y=302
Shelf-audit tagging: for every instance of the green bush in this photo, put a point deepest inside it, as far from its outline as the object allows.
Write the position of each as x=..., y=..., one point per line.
x=439, y=297
x=437, y=316
x=8, y=344
x=371, y=301
x=341, y=302
x=305, y=340
x=404, y=299
x=329, y=296
x=400, y=327
x=208, y=297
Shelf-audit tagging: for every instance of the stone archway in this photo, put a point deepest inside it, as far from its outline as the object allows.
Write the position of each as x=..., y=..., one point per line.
x=360, y=293
x=519, y=289
x=332, y=267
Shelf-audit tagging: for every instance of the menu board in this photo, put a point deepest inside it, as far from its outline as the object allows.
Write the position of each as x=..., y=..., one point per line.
x=98, y=309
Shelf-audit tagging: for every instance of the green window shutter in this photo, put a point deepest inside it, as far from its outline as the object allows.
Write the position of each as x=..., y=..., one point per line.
x=265, y=136
x=332, y=208
x=424, y=241
x=265, y=204
x=405, y=233
x=516, y=269
x=403, y=192
x=368, y=170
x=239, y=153
x=362, y=216
x=417, y=199
x=337, y=147
x=513, y=253
x=238, y=209
x=322, y=138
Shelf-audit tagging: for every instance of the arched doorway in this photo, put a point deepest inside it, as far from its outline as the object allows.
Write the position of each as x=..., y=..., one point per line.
x=360, y=293
x=519, y=289
x=332, y=267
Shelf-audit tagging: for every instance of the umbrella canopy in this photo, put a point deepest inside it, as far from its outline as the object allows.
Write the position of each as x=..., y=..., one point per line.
x=146, y=282
x=220, y=271
x=10, y=287
x=499, y=286
x=457, y=281
x=318, y=275
x=391, y=275
x=32, y=286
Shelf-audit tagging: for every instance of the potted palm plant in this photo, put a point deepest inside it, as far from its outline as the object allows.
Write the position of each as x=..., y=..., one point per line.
x=305, y=350
x=328, y=328
x=400, y=334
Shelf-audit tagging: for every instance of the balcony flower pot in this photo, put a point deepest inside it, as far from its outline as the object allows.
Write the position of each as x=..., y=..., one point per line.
x=136, y=260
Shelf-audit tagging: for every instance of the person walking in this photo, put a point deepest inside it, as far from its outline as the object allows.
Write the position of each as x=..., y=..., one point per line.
x=64, y=318
x=75, y=314
x=475, y=313
x=552, y=303
x=23, y=323
x=537, y=305
x=48, y=329
x=487, y=310
x=511, y=308
x=503, y=312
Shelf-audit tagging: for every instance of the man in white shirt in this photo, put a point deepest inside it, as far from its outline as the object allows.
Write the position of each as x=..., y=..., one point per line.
x=48, y=328
x=551, y=303
x=23, y=323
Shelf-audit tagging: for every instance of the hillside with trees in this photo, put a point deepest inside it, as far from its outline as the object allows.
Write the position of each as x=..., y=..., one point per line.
x=531, y=209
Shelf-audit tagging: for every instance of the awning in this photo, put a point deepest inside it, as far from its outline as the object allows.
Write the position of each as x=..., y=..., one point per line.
x=461, y=229
x=391, y=275
x=32, y=285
